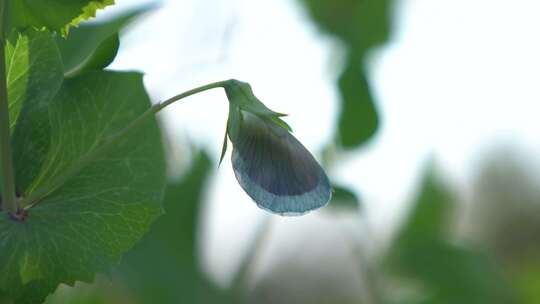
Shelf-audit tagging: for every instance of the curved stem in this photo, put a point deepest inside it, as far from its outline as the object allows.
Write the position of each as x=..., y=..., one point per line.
x=9, y=202
x=160, y=106
x=107, y=142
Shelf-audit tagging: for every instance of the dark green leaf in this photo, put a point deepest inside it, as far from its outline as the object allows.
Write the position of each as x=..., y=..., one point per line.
x=362, y=26
x=358, y=121
x=55, y=15
x=100, y=200
x=93, y=46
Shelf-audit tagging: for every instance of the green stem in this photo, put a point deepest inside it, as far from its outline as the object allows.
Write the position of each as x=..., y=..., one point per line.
x=108, y=142
x=160, y=106
x=9, y=202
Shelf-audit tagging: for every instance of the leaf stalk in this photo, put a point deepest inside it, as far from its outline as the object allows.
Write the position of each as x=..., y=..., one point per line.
x=107, y=142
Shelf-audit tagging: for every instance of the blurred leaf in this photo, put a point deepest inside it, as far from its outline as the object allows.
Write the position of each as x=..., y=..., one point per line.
x=423, y=252
x=93, y=46
x=358, y=121
x=361, y=25
x=164, y=267
x=526, y=279
x=343, y=199
x=505, y=216
x=431, y=215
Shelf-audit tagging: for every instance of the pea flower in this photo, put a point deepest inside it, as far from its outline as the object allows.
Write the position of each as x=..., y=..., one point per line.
x=270, y=164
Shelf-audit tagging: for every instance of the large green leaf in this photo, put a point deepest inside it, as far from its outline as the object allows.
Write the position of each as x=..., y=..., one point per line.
x=99, y=200
x=362, y=26
x=55, y=15
x=93, y=46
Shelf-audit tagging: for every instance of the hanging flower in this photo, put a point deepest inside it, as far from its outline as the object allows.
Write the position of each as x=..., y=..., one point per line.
x=270, y=164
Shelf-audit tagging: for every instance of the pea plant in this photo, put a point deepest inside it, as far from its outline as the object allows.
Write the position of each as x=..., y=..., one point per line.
x=82, y=164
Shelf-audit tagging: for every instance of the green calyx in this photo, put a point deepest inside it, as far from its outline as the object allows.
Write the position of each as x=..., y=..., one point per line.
x=242, y=99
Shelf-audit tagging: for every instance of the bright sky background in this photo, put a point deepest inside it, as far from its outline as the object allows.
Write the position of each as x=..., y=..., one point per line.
x=458, y=76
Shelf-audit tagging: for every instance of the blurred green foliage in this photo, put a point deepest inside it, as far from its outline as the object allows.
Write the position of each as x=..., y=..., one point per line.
x=425, y=253
x=361, y=25
x=505, y=217
x=164, y=266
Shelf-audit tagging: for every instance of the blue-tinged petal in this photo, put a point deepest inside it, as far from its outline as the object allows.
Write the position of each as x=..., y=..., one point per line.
x=276, y=170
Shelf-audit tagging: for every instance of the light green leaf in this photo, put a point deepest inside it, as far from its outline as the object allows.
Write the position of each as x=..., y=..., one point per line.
x=34, y=76
x=88, y=12
x=55, y=15
x=93, y=46
x=106, y=198
x=33, y=70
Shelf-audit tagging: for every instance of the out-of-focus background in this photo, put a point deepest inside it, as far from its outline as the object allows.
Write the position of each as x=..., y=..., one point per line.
x=423, y=112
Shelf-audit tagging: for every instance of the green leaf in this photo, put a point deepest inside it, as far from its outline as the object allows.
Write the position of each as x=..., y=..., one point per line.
x=100, y=200
x=33, y=70
x=93, y=46
x=34, y=76
x=55, y=15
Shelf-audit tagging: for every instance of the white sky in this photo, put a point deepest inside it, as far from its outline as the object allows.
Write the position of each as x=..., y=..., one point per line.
x=458, y=76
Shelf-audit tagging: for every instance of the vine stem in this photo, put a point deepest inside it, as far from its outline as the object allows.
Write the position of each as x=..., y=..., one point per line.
x=160, y=106
x=107, y=142
x=9, y=202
